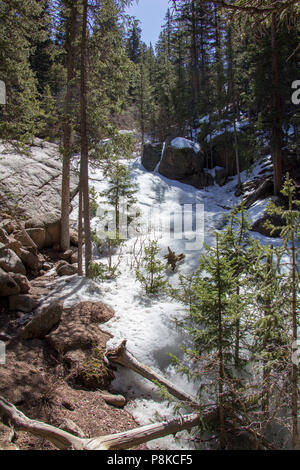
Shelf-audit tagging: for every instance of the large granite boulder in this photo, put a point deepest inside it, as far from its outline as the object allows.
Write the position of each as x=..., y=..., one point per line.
x=151, y=155
x=45, y=229
x=38, y=235
x=43, y=322
x=41, y=170
x=180, y=163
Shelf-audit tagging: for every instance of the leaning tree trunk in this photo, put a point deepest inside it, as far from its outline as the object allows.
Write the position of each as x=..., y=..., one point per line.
x=84, y=164
x=120, y=355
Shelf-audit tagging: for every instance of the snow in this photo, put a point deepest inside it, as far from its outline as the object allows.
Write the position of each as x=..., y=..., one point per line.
x=181, y=143
x=161, y=157
x=148, y=322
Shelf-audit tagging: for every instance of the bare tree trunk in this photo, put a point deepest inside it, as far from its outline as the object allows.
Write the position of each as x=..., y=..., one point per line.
x=120, y=355
x=124, y=440
x=80, y=235
x=84, y=163
x=68, y=130
x=195, y=69
x=277, y=130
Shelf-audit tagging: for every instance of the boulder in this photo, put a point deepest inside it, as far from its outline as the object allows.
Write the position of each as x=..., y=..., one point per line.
x=30, y=260
x=73, y=237
x=60, y=263
x=74, y=258
x=259, y=225
x=10, y=262
x=22, y=302
x=67, y=269
x=22, y=282
x=8, y=225
x=180, y=163
x=83, y=350
x=69, y=426
x=82, y=321
x=47, y=266
x=14, y=244
x=151, y=155
x=50, y=223
x=67, y=255
x=111, y=399
x=43, y=322
x=8, y=285
x=38, y=235
x=4, y=238
x=220, y=175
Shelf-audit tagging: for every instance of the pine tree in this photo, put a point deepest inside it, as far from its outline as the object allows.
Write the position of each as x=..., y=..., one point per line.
x=289, y=233
x=71, y=17
x=236, y=245
x=19, y=117
x=267, y=322
x=151, y=276
x=211, y=323
x=119, y=188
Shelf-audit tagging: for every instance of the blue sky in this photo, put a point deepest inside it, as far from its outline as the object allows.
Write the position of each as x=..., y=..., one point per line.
x=151, y=14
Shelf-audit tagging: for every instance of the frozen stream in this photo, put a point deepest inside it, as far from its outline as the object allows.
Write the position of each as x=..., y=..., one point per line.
x=147, y=323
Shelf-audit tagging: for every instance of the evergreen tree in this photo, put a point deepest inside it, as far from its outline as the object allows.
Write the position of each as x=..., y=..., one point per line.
x=151, y=275
x=19, y=117
x=289, y=233
x=119, y=188
x=211, y=324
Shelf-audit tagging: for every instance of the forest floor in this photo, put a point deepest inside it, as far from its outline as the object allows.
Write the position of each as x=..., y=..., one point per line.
x=34, y=382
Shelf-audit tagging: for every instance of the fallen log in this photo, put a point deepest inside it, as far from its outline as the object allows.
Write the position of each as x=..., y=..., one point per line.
x=120, y=355
x=63, y=440
x=264, y=189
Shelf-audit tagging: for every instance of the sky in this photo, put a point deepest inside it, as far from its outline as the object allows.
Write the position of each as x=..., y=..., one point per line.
x=151, y=14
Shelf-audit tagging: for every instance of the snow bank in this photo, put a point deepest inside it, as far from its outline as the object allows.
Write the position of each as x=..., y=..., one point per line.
x=181, y=143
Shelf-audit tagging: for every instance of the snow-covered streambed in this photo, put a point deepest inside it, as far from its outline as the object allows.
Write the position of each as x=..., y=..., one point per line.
x=148, y=323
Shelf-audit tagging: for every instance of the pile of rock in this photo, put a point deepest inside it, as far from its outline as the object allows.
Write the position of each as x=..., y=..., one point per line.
x=20, y=262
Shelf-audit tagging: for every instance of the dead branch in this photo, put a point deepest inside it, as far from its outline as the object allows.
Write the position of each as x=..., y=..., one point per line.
x=63, y=440
x=120, y=355
x=173, y=259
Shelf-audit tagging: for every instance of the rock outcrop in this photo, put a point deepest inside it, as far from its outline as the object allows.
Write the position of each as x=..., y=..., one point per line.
x=182, y=160
x=41, y=170
x=181, y=163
